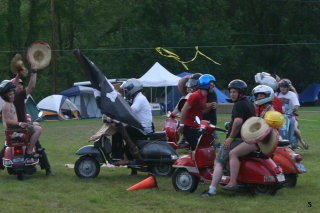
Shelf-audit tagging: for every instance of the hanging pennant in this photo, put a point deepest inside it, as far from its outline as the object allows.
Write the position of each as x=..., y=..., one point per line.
x=169, y=54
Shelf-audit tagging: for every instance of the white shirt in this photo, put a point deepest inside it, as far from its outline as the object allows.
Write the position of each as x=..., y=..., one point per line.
x=289, y=101
x=142, y=109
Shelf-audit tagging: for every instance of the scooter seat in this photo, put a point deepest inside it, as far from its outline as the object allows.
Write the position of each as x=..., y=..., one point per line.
x=283, y=143
x=160, y=136
x=257, y=155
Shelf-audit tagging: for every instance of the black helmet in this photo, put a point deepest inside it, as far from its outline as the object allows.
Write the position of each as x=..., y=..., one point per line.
x=193, y=80
x=5, y=87
x=284, y=83
x=239, y=85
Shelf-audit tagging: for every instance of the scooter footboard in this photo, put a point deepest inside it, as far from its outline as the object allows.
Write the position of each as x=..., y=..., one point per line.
x=258, y=171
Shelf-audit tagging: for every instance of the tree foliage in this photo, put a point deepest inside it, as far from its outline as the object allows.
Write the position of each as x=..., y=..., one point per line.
x=246, y=37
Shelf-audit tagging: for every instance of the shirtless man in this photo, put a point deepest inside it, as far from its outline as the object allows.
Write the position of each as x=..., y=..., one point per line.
x=9, y=115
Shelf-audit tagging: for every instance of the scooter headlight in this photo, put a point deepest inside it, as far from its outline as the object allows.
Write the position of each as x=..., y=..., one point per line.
x=174, y=157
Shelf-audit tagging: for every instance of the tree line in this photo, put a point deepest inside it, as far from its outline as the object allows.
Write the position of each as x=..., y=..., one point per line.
x=119, y=36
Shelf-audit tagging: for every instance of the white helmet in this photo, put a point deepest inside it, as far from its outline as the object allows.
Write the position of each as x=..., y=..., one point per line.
x=266, y=79
x=130, y=87
x=266, y=90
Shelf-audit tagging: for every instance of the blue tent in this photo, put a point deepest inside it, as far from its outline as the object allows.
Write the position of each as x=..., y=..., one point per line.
x=311, y=95
x=83, y=98
x=174, y=94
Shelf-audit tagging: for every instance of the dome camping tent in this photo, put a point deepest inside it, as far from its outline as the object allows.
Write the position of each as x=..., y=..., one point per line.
x=58, y=107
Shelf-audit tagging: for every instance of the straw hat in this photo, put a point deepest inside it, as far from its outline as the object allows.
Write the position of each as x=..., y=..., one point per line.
x=39, y=55
x=17, y=65
x=254, y=130
x=269, y=143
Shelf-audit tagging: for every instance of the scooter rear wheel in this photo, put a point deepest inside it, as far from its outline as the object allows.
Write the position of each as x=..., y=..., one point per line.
x=291, y=180
x=184, y=181
x=260, y=189
x=87, y=167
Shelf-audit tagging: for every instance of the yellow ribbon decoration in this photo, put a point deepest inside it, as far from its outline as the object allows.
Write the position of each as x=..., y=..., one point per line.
x=169, y=54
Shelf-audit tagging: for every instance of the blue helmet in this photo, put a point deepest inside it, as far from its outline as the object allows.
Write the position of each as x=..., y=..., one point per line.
x=204, y=81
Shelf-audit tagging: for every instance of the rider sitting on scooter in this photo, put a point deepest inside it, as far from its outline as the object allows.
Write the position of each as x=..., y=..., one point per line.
x=141, y=108
x=290, y=105
x=196, y=105
x=9, y=115
x=242, y=110
x=263, y=97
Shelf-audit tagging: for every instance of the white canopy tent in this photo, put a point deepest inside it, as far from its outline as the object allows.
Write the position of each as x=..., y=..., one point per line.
x=158, y=76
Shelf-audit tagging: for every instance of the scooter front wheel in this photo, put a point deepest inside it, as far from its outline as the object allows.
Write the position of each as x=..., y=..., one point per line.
x=184, y=181
x=162, y=170
x=87, y=167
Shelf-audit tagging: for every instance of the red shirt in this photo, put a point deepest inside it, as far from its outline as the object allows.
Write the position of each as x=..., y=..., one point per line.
x=198, y=103
x=276, y=103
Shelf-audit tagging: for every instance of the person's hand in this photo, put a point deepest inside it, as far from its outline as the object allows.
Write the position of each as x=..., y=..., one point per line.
x=227, y=143
x=23, y=125
x=214, y=105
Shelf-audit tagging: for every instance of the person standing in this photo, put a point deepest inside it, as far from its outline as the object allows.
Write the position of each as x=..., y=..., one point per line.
x=196, y=105
x=19, y=102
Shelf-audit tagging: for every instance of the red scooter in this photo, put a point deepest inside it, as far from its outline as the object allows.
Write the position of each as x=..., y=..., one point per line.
x=170, y=127
x=257, y=173
x=290, y=163
x=17, y=141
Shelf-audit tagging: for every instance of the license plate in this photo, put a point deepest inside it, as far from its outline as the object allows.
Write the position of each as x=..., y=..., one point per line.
x=281, y=177
x=18, y=160
x=300, y=167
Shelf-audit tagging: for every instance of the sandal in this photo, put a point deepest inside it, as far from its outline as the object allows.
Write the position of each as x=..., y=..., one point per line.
x=305, y=145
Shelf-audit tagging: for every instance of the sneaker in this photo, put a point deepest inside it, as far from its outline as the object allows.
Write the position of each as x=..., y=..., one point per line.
x=207, y=194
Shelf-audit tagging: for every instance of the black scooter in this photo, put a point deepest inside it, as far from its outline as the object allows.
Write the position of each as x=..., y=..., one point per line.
x=157, y=155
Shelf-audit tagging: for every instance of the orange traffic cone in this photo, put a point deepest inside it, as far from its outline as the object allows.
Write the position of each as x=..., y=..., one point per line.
x=147, y=183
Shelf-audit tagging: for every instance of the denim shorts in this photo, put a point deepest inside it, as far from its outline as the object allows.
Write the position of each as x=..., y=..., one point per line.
x=223, y=155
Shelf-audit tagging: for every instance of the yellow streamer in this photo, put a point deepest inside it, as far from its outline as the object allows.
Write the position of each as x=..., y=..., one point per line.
x=170, y=54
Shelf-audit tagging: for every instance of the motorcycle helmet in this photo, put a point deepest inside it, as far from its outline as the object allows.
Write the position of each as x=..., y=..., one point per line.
x=130, y=87
x=204, y=81
x=284, y=83
x=266, y=90
x=239, y=85
x=193, y=80
x=274, y=119
x=264, y=79
x=5, y=87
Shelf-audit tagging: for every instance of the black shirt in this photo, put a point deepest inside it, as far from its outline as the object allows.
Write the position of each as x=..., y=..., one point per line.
x=212, y=114
x=20, y=105
x=242, y=109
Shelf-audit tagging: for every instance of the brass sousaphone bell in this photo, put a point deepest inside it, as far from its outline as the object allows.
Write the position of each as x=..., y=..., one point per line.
x=39, y=55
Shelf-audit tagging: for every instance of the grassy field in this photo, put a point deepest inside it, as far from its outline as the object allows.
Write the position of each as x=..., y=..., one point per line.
x=65, y=192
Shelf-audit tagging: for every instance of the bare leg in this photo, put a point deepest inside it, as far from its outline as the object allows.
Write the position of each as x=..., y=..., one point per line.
x=240, y=150
x=297, y=132
x=34, y=138
x=217, y=174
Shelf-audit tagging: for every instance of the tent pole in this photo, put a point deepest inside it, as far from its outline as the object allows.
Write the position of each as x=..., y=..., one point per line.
x=151, y=94
x=166, y=101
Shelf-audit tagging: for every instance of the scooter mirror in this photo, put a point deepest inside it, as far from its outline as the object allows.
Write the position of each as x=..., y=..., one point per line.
x=197, y=120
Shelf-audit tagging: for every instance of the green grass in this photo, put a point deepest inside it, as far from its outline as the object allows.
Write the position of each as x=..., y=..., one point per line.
x=65, y=192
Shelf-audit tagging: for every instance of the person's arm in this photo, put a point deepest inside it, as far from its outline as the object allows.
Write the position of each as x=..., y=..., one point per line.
x=15, y=81
x=32, y=82
x=209, y=106
x=184, y=111
x=236, y=127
